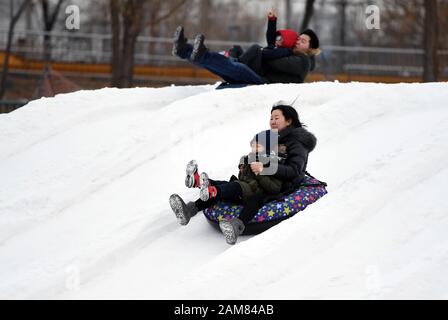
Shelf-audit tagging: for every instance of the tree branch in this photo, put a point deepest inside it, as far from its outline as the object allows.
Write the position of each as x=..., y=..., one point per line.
x=167, y=15
x=55, y=13
x=12, y=25
x=309, y=11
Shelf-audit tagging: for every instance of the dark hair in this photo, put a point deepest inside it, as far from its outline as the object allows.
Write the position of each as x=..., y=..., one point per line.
x=290, y=114
x=314, y=42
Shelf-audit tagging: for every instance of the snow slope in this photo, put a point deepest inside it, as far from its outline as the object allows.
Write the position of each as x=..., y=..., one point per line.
x=85, y=178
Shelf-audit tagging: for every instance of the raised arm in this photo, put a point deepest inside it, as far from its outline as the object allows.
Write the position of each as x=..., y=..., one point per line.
x=271, y=32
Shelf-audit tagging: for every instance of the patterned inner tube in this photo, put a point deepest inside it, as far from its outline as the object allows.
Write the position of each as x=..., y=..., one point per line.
x=310, y=191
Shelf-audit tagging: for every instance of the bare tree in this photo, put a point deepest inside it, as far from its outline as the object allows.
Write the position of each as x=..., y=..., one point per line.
x=14, y=18
x=288, y=13
x=49, y=18
x=127, y=22
x=309, y=11
x=342, y=33
x=430, y=73
x=401, y=24
x=205, y=10
x=177, y=5
x=164, y=15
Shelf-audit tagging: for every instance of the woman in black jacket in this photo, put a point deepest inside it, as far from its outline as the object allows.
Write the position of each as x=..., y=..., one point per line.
x=294, y=144
x=294, y=141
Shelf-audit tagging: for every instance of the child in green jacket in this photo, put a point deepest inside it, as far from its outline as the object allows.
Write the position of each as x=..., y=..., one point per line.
x=255, y=182
x=259, y=184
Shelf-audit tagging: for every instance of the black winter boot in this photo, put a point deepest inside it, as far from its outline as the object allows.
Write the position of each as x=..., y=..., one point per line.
x=199, y=48
x=183, y=211
x=179, y=41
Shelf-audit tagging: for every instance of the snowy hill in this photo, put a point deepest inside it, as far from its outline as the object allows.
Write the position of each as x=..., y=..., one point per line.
x=85, y=180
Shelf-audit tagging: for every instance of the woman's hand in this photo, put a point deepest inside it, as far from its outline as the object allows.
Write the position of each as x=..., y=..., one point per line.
x=272, y=13
x=256, y=167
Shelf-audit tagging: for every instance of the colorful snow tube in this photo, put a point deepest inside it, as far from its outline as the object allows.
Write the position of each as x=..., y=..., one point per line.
x=271, y=213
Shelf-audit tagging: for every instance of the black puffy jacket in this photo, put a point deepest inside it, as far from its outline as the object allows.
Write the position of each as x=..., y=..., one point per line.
x=296, y=143
x=293, y=69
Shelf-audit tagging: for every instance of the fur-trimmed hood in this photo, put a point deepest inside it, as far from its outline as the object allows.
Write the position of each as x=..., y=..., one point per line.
x=306, y=138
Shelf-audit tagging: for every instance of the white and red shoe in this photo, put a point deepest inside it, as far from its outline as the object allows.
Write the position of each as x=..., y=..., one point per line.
x=192, y=178
x=207, y=191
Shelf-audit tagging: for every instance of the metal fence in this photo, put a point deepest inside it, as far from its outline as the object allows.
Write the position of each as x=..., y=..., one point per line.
x=376, y=61
x=96, y=48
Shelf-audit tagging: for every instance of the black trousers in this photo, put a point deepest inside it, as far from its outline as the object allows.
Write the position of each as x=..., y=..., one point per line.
x=232, y=192
x=227, y=191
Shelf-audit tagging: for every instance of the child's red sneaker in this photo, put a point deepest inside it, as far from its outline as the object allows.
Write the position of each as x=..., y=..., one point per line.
x=207, y=191
x=192, y=178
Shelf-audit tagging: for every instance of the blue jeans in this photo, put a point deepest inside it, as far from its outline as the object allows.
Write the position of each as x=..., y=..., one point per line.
x=228, y=69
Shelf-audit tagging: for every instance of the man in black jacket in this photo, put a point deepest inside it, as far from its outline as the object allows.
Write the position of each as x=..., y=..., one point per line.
x=282, y=65
x=295, y=68
x=291, y=69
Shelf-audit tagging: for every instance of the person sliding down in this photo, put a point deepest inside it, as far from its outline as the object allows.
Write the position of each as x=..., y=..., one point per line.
x=277, y=66
x=249, y=189
x=280, y=44
x=229, y=70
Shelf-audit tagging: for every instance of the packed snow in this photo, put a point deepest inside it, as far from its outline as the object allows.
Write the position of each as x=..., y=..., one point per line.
x=85, y=180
